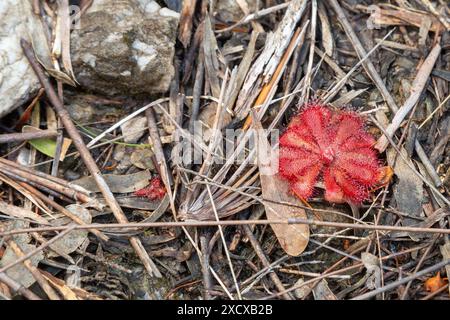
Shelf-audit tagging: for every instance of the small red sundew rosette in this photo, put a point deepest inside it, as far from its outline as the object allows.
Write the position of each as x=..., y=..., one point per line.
x=154, y=191
x=332, y=146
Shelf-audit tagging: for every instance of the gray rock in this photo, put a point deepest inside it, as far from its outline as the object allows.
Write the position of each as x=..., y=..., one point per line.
x=142, y=158
x=134, y=129
x=18, y=83
x=85, y=108
x=81, y=112
x=125, y=47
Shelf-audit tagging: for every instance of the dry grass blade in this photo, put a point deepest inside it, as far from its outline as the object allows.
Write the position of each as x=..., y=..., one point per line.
x=210, y=51
x=445, y=251
x=312, y=45
x=327, y=35
x=28, y=195
x=185, y=29
x=283, y=36
x=244, y=7
x=268, y=90
x=127, y=118
x=335, y=89
x=404, y=17
x=416, y=90
x=244, y=66
x=253, y=16
x=64, y=19
x=191, y=223
x=34, y=271
x=368, y=65
x=265, y=65
x=225, y=245
x=21, y=213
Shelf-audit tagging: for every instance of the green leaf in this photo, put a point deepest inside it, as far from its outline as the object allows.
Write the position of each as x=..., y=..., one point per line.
x=47, y=145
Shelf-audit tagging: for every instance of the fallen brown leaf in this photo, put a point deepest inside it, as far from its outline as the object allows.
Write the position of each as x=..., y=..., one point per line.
x=293, y=238
x=433, y=284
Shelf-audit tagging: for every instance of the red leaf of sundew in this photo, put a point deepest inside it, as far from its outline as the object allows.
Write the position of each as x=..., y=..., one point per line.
x=331, y=146
x=154, y=191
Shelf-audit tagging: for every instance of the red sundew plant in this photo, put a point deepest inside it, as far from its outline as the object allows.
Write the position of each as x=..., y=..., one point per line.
x=154, y=191
x=321, y=144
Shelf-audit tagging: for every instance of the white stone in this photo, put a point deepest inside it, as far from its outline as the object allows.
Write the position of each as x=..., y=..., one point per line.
x=18, y=83
x=89, y=59
x=149, y=6
x=166, y=12
x=143, y=54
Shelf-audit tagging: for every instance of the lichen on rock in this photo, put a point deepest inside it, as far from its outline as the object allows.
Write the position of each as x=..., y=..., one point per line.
x=125, y=47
